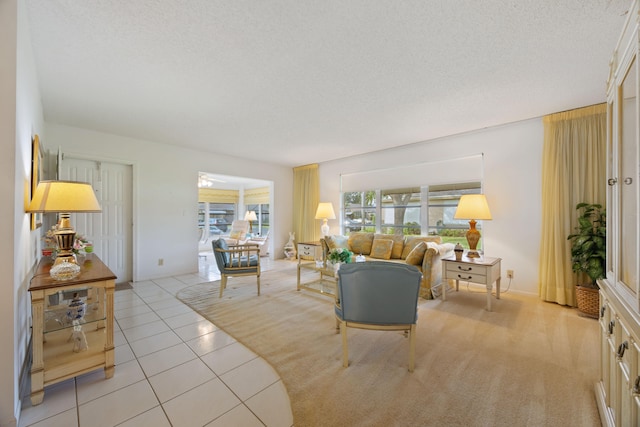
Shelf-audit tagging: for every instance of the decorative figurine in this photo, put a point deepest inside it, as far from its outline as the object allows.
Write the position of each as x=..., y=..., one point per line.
x=459, y=250
x=290, y=248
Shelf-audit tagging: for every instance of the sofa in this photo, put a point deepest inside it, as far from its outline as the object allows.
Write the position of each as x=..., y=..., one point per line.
x=425, y=252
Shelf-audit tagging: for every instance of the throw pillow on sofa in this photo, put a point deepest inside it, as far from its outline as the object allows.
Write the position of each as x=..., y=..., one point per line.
x=412, y=241
x=416, y=256
x=381, y=248
x=360, y=242
x=398, y=243
x=336, y=242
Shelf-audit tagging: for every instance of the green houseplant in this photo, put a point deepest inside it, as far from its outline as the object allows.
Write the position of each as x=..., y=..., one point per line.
x=588, y=254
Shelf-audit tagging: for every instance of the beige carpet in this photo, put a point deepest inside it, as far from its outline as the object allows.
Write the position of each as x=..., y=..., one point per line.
x=527, y=363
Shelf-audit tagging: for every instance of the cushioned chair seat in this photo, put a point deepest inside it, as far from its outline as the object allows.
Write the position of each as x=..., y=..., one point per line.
x=241, y=260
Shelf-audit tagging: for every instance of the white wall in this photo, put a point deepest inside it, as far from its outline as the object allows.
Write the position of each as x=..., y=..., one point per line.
x=512, y=184
x=8, y=333
x=166, y=195
x=20, y=119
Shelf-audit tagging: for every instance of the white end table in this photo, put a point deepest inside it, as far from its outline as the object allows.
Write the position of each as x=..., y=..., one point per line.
x=485, y=271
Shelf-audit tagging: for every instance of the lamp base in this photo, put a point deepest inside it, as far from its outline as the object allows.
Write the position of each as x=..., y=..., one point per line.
x=473, y=237
x=64, y=270
x=324, y=229
x=65, y=266
x=473, y=254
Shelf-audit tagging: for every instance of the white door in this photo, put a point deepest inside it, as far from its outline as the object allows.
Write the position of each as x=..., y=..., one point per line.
x=111, y=230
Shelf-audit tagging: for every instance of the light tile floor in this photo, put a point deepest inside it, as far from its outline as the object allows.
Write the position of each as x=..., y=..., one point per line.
x=173, y=368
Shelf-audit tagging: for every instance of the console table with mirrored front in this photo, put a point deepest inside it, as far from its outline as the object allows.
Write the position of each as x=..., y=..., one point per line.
x=72, y=324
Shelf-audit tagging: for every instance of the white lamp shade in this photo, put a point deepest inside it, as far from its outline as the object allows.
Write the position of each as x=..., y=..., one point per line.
x=250, y=216
x=64, y=196
x=325, y=211
x=473, y=206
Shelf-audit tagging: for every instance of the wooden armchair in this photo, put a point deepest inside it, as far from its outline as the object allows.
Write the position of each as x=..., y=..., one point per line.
x=378, y=295
x=238, y=260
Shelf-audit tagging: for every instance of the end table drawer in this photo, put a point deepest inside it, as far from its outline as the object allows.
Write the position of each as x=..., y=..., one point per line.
x=308, y=251
x=465, y=276
x=467, y=268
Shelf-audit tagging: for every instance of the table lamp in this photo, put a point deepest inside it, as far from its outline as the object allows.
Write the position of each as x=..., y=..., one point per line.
x=63, y=198
x=250, y=216
x=325, y=212
x=473, y=207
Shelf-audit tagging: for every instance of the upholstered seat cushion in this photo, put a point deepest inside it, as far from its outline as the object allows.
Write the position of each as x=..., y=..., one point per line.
x=252, y=261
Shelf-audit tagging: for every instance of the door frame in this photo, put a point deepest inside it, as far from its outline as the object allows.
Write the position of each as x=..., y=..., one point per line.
x=134, y=194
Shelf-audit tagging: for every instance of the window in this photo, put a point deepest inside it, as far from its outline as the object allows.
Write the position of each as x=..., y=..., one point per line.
x=359, y=212
x=409, y=211
x=442, y=204
x=262, y=212
x=400, y=211
x=217, y=216
x=221, y=215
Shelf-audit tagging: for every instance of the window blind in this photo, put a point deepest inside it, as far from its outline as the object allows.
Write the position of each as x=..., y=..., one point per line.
x=256, y=196
x=213, y=195
x=462, y=169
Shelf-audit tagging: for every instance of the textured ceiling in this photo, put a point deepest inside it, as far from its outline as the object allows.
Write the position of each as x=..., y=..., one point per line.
x=301, y=81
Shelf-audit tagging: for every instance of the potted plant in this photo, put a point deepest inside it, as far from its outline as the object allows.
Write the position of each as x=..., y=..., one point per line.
x=339, y=256
x=588, y=254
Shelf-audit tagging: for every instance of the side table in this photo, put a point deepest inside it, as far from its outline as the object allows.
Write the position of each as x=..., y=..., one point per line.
x=326, y=283
x=484, y=271
x=56, y=357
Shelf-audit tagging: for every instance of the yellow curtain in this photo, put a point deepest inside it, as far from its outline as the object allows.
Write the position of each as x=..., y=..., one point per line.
x=306, y=195
x=573, y=171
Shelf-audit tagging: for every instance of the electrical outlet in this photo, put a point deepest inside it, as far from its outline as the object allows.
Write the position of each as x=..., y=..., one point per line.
x=160, y=261
x=509, y=274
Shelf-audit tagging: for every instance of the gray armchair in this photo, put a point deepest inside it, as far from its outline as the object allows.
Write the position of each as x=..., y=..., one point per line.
x=378, y=295
x=238, y=260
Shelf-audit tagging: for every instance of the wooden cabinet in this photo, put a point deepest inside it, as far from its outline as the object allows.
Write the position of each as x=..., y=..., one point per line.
x=618, y=387
x=72, y=324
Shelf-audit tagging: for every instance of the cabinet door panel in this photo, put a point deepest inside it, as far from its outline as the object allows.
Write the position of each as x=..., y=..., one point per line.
x=627, y=180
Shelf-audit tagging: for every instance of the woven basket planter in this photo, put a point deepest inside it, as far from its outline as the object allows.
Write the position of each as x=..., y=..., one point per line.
x=588, y=301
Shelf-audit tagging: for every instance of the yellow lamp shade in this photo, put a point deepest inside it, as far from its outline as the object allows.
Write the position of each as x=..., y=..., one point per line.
x=473, y=206
x=325, y=211
x=64, y=196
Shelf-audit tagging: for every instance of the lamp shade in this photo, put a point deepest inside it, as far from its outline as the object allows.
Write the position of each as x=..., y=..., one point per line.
x=473, y=206
x=325, y=211
x=250, y=216
x=63, y=196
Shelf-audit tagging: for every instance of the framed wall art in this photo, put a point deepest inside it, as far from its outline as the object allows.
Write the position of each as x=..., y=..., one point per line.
x=36, y=168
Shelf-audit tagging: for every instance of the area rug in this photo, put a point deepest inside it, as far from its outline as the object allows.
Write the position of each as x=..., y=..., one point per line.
x=525, y=363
